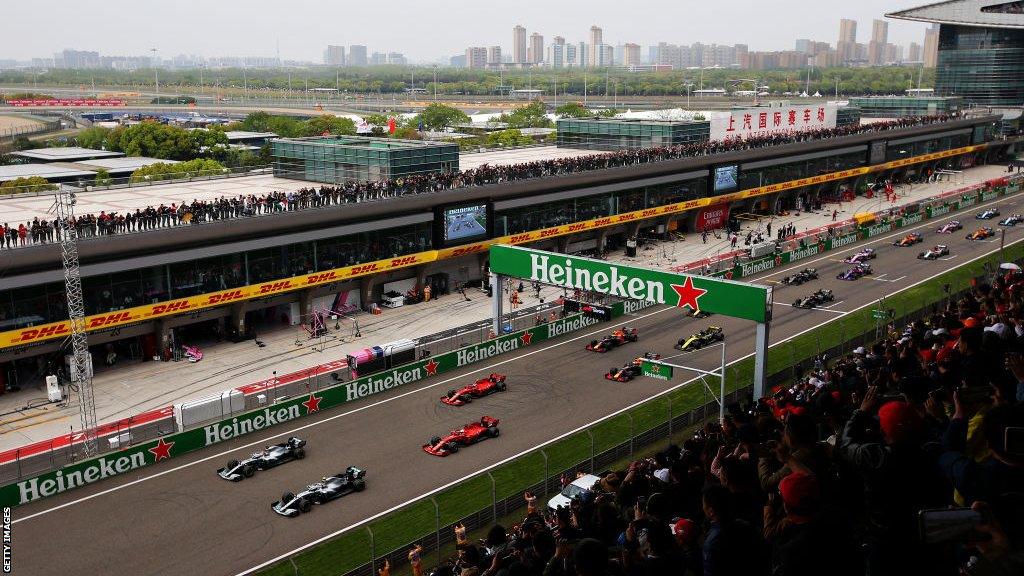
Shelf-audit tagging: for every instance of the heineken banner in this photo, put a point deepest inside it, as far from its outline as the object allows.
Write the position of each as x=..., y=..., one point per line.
x=938, y=210
x=89, y=471
x=840, y=241
x=726, y=297
x=656, y=370
x=875, y=230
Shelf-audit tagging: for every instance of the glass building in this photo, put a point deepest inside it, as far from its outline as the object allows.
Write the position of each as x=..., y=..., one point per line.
x=339, y=159
x=621, y=133
x=980, y=49
x=900, y=106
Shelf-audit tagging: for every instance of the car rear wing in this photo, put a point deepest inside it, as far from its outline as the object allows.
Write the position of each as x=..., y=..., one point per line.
x=355, y=472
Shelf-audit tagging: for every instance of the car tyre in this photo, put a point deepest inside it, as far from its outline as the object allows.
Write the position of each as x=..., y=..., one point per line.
x=493, y=432
x=305, y=505
x=286, y=498
x=232, y=464
x=300, y=453
x=502, y=386
x=453, y=447
x=359, y=485
x=248, y=470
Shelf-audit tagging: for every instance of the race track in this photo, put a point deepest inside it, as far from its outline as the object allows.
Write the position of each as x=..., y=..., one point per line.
x=176, y=516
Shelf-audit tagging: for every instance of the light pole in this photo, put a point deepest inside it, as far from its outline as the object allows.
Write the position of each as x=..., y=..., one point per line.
x=156, y=75
x=435, y=83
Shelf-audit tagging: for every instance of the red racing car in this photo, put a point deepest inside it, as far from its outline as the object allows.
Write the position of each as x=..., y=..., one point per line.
x=482, y=387
x=471, y=433
x=616, y=338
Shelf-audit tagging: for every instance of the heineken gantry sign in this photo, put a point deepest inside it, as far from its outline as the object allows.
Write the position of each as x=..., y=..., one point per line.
x=737, y=299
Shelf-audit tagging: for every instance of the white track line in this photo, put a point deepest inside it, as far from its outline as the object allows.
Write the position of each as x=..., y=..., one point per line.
x=570, y=433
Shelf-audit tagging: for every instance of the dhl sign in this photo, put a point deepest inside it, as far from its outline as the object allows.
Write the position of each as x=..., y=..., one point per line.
x=142, y=313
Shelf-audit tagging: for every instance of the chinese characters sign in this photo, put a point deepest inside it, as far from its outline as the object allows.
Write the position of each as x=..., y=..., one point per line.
x=760, y=121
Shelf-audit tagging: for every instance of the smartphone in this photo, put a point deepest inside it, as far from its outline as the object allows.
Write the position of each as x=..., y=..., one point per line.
x=1014, y=440
x=947, y=524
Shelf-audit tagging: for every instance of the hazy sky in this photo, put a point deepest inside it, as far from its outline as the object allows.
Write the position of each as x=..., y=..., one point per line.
x=424, y=30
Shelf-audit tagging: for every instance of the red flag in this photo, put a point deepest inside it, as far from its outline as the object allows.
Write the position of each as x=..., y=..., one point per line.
x=391, y=125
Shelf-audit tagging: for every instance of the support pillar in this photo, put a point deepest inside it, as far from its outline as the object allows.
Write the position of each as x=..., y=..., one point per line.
x=163, y=335
x=421, y=276
x=305, y=305
x=366, y=291
x=760, y=359
x=497, y=302
x=236, y=322
x=601, y=235
x=562, y=244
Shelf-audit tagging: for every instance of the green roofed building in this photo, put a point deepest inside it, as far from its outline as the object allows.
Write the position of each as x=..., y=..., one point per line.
x=625, y=133
x=338, y=159
x=900, y=106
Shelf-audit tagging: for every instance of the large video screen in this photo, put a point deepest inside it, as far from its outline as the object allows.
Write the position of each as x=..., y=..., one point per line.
x=465, y=222
x=726, y=178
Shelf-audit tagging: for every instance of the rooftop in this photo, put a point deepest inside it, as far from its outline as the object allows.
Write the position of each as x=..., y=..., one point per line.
x=70, y=153
x=244, y=135
x=637, y=120
x=985, y=13
x=365, y=142
x=48, y=171
x=122, y=165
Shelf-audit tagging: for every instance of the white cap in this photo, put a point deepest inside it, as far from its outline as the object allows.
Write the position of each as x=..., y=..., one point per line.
x=662, y=475
x=859, y=350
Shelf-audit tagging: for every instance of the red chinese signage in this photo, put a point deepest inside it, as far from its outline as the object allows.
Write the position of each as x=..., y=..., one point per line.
x=762, y=121
x=712, y=217
x=87, y=102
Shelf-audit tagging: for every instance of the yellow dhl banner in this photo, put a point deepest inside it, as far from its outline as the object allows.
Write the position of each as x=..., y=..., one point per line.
x=33, y=334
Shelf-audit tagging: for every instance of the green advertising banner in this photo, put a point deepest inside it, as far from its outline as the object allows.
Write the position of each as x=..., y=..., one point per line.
x=719, y=296
x=656, y=370
x=93, y=470
x=840, y=241
x=940, y=210
x=875, y=230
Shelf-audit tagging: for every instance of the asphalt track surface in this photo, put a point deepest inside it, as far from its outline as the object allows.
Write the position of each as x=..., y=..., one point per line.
x=178, y=517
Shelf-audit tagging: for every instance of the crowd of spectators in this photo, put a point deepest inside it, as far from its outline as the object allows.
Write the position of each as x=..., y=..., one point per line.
x=826, y=476
x=223, y=208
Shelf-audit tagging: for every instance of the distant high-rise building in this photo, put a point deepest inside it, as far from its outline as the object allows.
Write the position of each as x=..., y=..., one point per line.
x=334, y=56
x=582, y=54
x=476, y=57
x=847, y=44
x=76, y=59
x=555, y=57
x=914, y=52
x=879, y=38
x=572, y=55
x=631, y=55
x=357, y=55
x=378, y=59
x=596, y=41
x=494, y=59
x=652, y=55
x=397, y=59
x=606, y=56
x=519, y=48
x=931, y=46
x=535, y=52
x=457, y=61
x=803, y=45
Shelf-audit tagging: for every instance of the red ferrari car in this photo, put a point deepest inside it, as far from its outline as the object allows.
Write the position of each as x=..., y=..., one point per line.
x=482, y=387
x=616, y=338
x=471, y=433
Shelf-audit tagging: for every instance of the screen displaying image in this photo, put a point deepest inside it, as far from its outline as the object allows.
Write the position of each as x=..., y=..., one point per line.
x=465, y=222
x=725, y=178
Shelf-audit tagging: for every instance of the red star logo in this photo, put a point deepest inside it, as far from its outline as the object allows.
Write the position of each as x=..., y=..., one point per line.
x=431, y=367
x=313, y=404
x=688, y=294
x=728, y=275
x=161, y=450
x=527, y=336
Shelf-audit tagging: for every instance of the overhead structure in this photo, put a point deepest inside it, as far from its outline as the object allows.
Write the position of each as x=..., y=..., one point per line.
x=81, y=364
x=727, y=297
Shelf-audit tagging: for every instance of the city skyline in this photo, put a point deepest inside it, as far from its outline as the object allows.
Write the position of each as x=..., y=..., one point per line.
x=270, y=38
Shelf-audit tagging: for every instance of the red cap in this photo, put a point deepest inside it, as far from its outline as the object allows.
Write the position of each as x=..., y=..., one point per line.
x=800, y=492
x=899, y=421
x=971, y=322
x=684, y=530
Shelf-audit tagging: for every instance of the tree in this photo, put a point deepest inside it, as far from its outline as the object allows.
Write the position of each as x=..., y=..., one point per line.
x=533, y=115
x=572, y=110
x=329, y=124
x=30, y=184
x=376, y=119
x=439, y=117
x=102, y=178
x=608, y=113
x=510, y=137
x=94, y=137
x=167, y=171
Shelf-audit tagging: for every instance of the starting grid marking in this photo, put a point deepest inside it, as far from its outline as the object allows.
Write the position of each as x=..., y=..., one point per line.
x=816, y=308
x=880, y=278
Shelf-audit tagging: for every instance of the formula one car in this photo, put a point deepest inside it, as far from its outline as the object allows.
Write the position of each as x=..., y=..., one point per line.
x=709, y=335
x=856, y=272
x=987, y=214
x=493, y=383
x=909, y=240
x=862, y=256
x=327, y=489
x=936, y=252
x=950, y=227
x=269, y=457
x=616, y=338
x=816, y=299
x=1012, y=220
x=981, y=234
x=805, y=275
x=631, y=369
x=471, y=433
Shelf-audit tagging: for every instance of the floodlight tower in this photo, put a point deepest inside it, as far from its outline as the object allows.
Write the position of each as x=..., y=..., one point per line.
x=81, y=367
